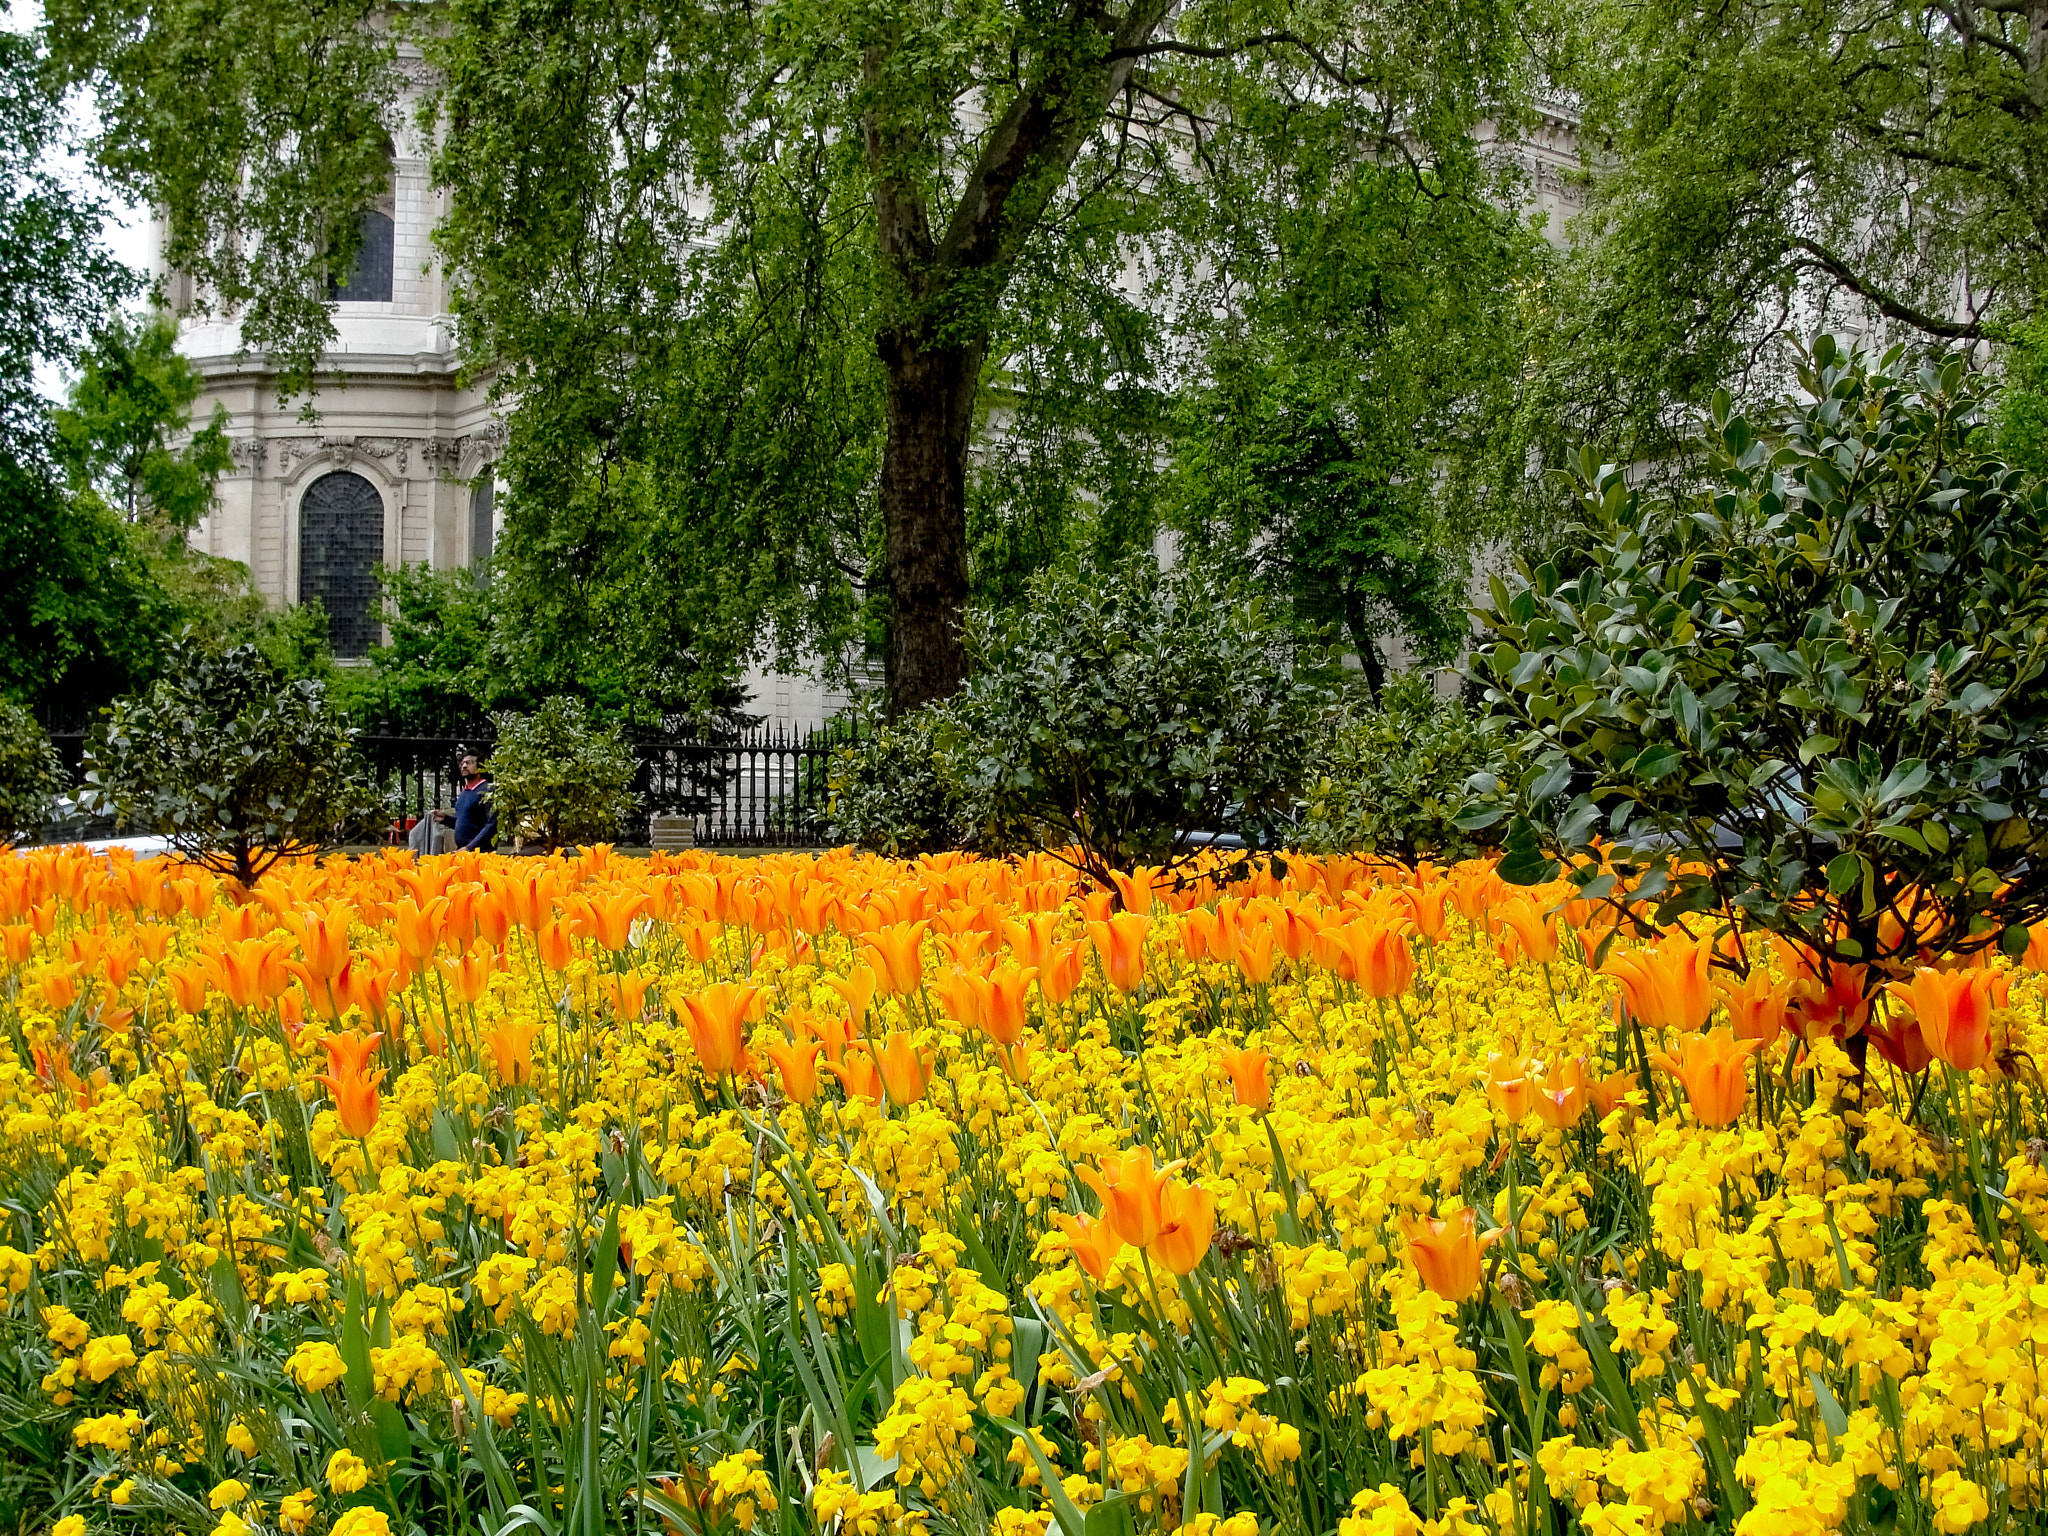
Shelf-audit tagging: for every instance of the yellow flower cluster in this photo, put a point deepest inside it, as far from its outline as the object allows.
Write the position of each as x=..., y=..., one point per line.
x=1320, y=1196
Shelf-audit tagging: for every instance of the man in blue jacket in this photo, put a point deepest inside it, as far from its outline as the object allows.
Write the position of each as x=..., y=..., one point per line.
x=476, y=818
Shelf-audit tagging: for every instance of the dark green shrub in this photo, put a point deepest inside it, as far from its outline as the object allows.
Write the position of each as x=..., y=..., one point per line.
x=1823, y=686
x=897, y=790
x=1393, y=780
x=1113, y=715
x=232, y=761
x=31, y=774
x=558, y=778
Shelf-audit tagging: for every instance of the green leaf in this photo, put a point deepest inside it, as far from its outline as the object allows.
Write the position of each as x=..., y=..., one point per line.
x=1844, y=870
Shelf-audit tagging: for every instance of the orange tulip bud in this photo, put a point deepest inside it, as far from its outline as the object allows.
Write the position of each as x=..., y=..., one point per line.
x=1534, y=930
x=355, y=1099
x=1446, y=1254
x=857, y=986
x=511, y=1048
x=905, y=1071
x=859, y=1076
x=557, y=945
x=1248, y=1080
x=1254, y=954
x=1094, y=1244
x=1006, y=1011
x=1711, y=1068
x=1120, y=945
x=896, y=953
x=797, y=1065
x=1188, y=1214
x=716, y=1017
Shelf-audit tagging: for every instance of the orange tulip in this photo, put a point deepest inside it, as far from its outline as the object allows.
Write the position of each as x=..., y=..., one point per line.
x=611, y=918
x=1561, y=1097
x=1200, y=934
x=834, y=1034
x=857, y=986
x=1608, y=1092
x=557, y=945
x=1007, y=1013
x=796, y=1063
x=250, y=972
x=1710, y=1066
x=1900, y=1042
x=468, y=976
x=1756, y=1007
x=1017, y=1060
x=511, y=1048
x=859, y=1076
x=1837, y=1006
x=964, y=994
x=349, y=1051
x=716, y=1017
x=1135, y=889
x=1120, y=945
x=1189, y=1221
x=418, y=928
x=905, y=1071
x=2036, y=957
x=1534, y=930
x=1512, y=1085
x=1248, y=1080
x=1296, y=931
x=1954, y=1010
x=1130, y=1190
x=189, y=985
x=1426, y=909
x=626, y=994
x=1094, y=1244
x=323, y=937
x=1031, y=940
x=1446, y=1253
x=58, y=984
x=493, y=919
x=1254, y=954
x=1673, y=989
x=1062, y=973
x=1386, y=964
x=355, y=1099
x=896, y=954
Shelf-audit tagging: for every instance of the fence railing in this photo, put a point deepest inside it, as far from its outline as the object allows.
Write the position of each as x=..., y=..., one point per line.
x=760, y=788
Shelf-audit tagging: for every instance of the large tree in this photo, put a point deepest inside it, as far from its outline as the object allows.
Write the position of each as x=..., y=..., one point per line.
x=1798, y=164
x=781, y=250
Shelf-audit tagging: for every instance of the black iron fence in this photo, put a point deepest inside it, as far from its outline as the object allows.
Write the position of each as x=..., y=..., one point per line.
x=760, y=788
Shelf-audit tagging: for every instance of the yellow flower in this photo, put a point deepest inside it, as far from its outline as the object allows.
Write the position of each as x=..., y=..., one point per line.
x=295, y=1510
x=106, y=1355
x=347, y=1472
x=227, y=1493
x=70, y=1525
x=361, y=1521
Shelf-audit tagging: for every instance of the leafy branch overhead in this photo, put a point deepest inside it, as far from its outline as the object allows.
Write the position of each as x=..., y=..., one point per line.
x=1817, y=696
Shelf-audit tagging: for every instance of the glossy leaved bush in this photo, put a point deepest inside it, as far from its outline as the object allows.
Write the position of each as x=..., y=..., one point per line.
x=1816, y=696
x=31, y=775
x=235, y=763
x=559, y=778
x=1120, y=715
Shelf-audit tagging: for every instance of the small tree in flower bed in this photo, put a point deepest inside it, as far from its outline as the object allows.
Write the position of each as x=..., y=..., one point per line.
x=560, y=778
x=1816, y=697
x=235, y=764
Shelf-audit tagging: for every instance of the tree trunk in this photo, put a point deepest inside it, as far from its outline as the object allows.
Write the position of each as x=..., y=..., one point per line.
x=924, y=513
x=1368, y=653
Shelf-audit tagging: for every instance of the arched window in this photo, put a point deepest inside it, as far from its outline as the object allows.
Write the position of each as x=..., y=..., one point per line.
x=370, y=283
x=483, y=499
x=341, y=544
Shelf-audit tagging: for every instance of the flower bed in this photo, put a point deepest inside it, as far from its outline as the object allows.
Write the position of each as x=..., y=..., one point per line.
x=834, y=1194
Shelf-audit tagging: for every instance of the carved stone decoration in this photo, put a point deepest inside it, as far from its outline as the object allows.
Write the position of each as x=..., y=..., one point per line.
x=340, y=451
x=441, y=452
x=248, y=454
x=290, y=450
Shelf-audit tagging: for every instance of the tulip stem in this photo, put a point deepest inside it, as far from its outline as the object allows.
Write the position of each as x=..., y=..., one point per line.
x=1959, y=1086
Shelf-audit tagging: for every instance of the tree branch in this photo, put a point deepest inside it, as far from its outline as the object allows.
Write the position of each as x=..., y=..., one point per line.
x=1885, y=304
x=1315, y=56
